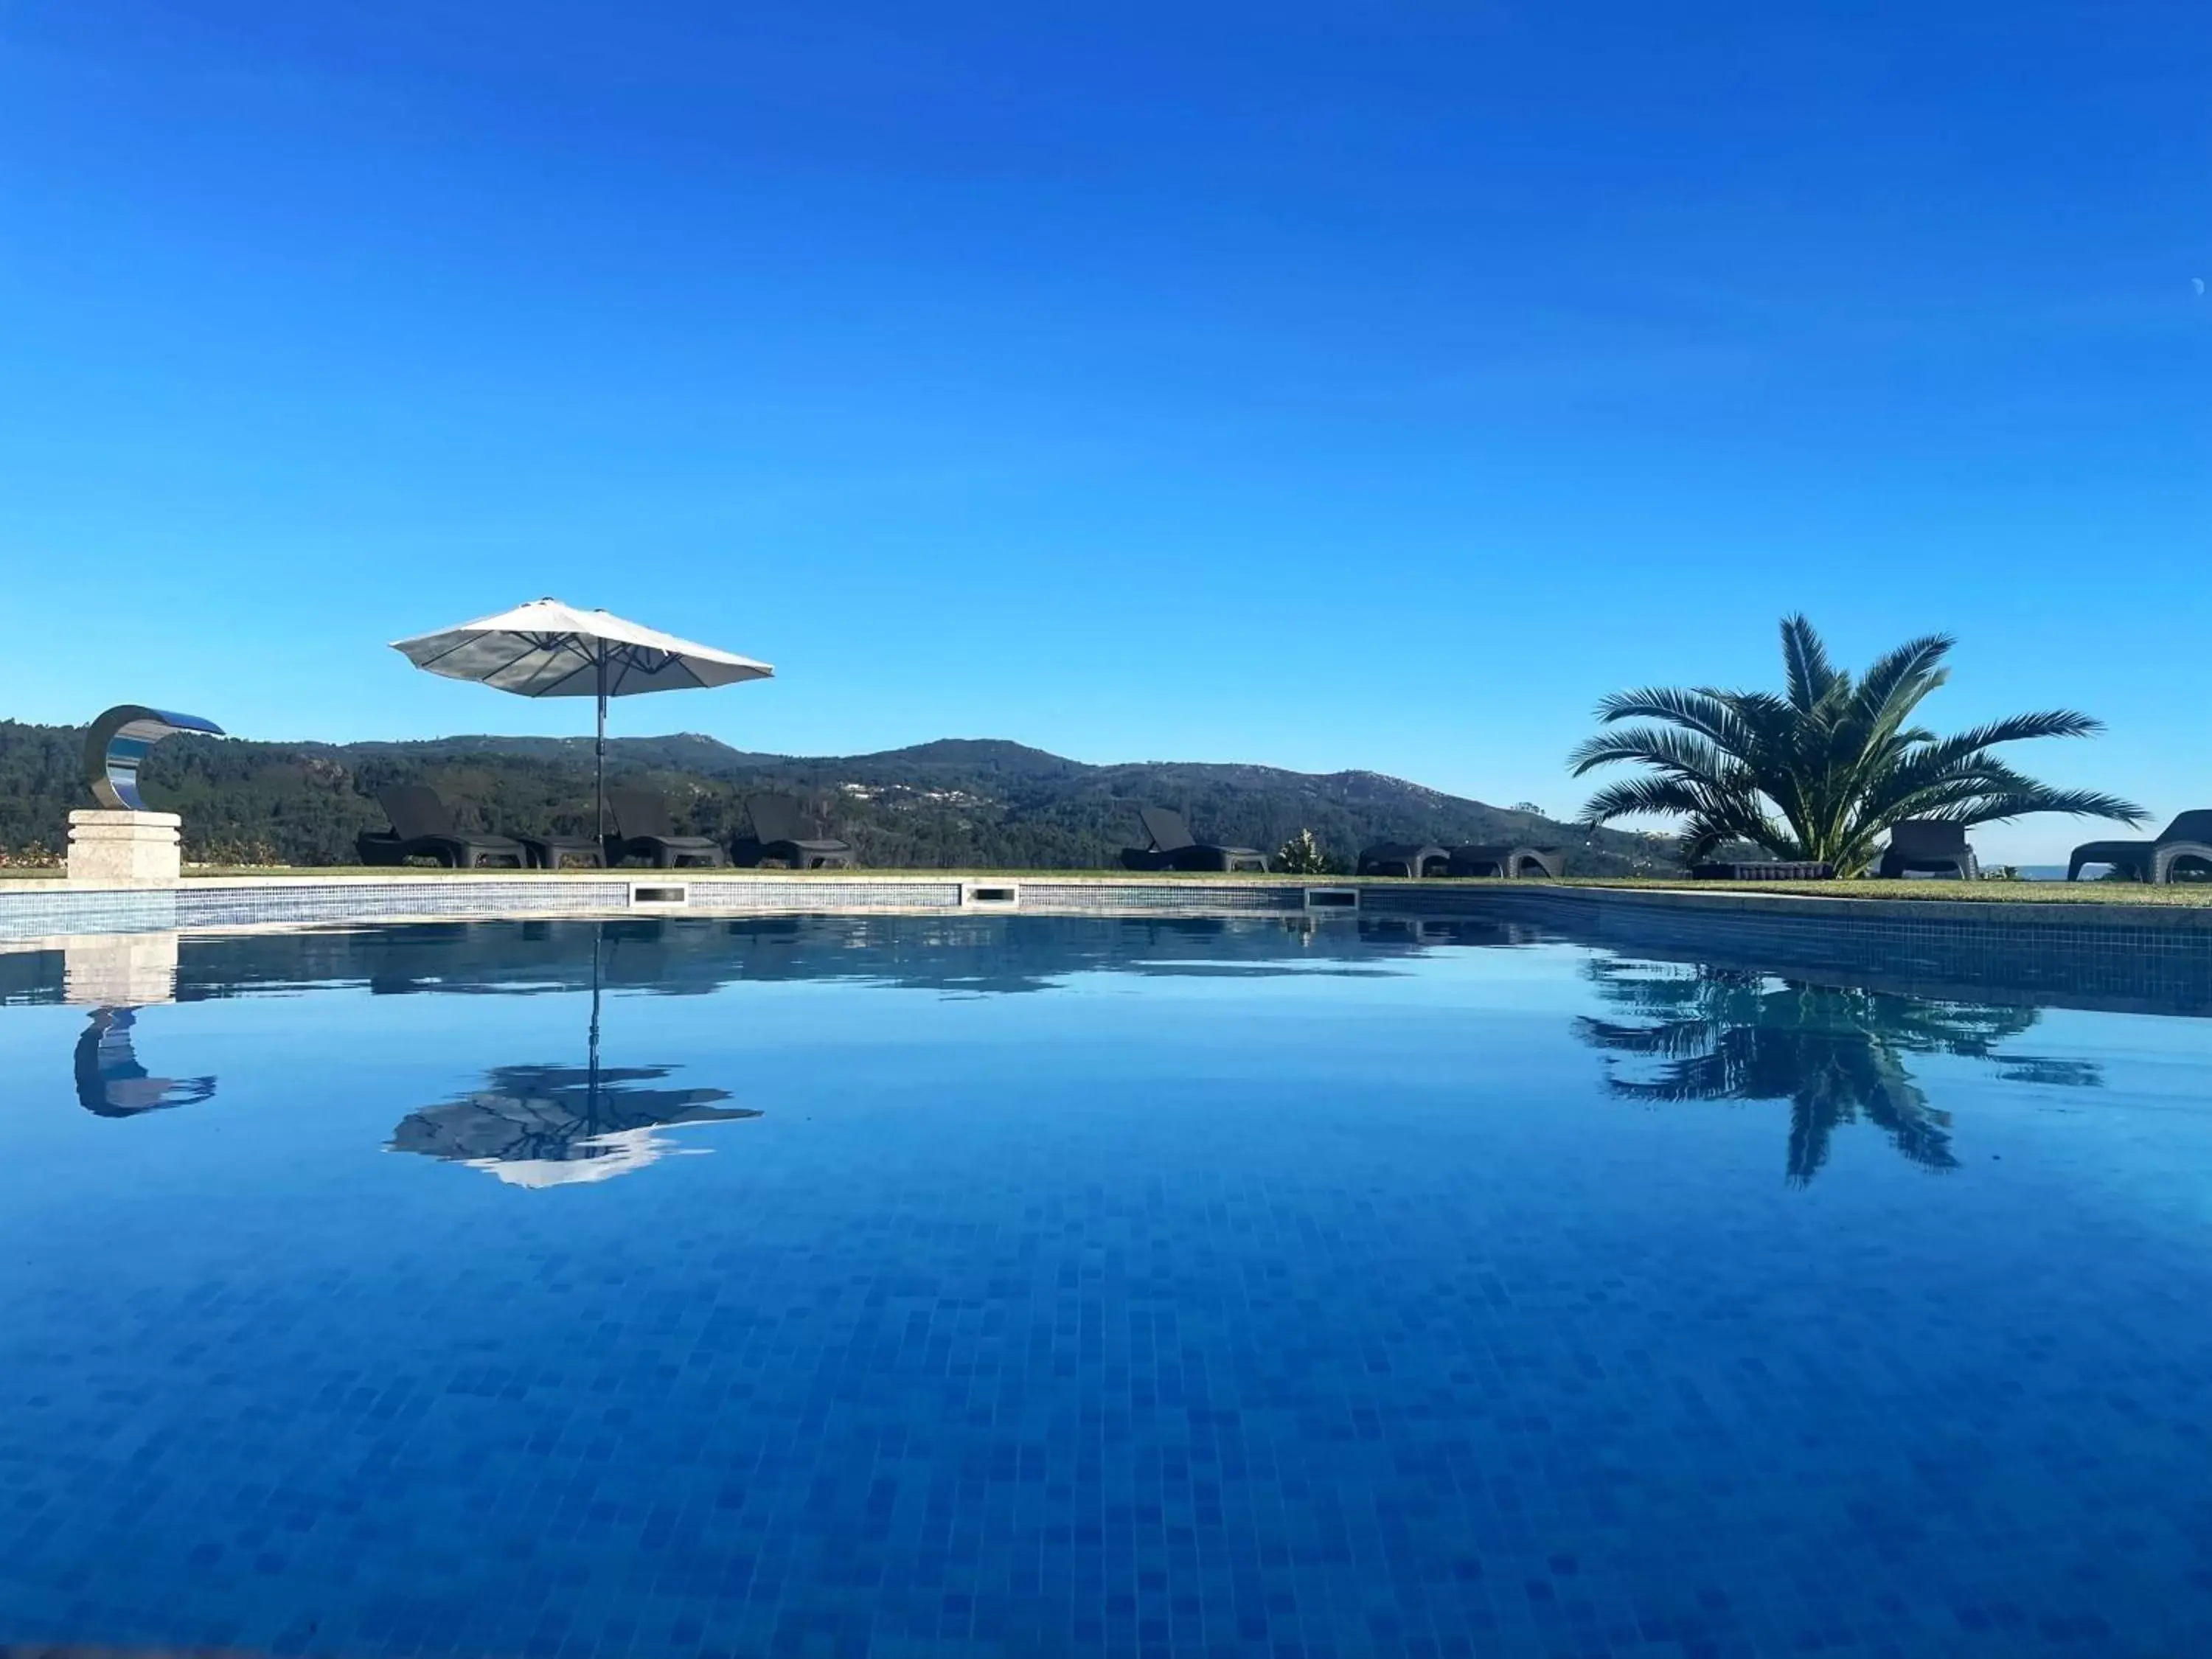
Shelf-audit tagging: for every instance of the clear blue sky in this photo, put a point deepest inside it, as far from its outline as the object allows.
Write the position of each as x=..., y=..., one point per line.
x=1328, y=387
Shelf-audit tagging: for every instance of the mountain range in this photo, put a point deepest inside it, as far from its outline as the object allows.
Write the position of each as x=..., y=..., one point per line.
x=957, y=803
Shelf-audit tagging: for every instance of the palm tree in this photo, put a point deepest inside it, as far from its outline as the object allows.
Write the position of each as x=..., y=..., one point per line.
x=1820, y=774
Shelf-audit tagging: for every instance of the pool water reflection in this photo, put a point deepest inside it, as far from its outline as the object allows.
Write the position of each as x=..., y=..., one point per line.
x=111, y=1082
x=1012, y=1285
x=549, y=1125
x=1835, y=1053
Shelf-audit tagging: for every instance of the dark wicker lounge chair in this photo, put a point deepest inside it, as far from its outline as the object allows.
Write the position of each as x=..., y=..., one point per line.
x=1403, y=858
x=2189, y=836
x=422, y=827
x=779, y=832
x=1171, y=847
x=643, y=831
x=564, y=852
x=1510, y=863
x=1928, y=846
x=1763, y=869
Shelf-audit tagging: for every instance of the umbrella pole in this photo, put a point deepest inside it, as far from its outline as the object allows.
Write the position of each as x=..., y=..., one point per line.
x=599, y=759
x=591, y=1088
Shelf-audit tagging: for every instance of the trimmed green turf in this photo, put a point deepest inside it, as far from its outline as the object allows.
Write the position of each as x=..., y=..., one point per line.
x=643, y=872
x=2006, y=892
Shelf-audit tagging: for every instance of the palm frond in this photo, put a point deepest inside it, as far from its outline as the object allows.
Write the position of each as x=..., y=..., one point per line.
x=1703, y=835
x=1974, y=786
x=1811, y=676
x=1949, y=799
x=1903, y=677
x=1971, y=751
x=1628, y=798
x=1760, y=714
x=1695, y=708
x=1735, y=817
x=2019, y=728
x=2068, y=803
x=1680, y=754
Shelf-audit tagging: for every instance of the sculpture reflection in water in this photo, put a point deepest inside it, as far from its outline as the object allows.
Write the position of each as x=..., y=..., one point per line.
x=559, y=1126
x=111, y=1083
x=1836, y=1054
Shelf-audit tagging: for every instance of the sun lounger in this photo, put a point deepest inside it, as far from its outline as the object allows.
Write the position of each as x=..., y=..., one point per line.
x=1928, y=846
x=643, y=831
x=564, y=852
x=1407, y=858
x=1511, y=863
x=422, y=827
x=1170, y=845
x=780, y=833
x=2189, y=836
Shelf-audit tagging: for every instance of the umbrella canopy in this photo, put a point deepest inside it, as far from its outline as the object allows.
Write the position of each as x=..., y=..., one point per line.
x=548, y=649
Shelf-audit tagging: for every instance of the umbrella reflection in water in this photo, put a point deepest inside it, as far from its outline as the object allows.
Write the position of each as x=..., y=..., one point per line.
x=557, y=1126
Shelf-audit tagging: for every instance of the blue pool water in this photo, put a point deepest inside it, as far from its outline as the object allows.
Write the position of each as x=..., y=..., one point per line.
x=912, y=1287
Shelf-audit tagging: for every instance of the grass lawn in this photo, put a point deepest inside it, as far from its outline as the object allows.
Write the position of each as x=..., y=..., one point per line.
x=2008, y=892
x=644, y=872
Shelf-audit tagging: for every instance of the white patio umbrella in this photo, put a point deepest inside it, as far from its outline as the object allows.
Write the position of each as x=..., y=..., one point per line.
x=548, y=649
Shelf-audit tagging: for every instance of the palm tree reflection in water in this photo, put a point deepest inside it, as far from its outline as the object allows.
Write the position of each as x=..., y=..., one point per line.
x=1836, y=1054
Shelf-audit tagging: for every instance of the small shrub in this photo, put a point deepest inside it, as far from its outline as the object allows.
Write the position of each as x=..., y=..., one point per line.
x=1303, y=855
x=252, y=852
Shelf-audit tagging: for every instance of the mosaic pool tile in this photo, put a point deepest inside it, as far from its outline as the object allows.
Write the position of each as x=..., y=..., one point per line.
x=1181, y=1286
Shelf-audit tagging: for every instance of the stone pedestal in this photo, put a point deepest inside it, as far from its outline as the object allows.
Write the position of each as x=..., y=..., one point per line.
x=120, y=970
x=124, y=850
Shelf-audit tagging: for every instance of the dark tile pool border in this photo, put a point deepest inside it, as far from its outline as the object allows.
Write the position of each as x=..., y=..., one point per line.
x=52, y=909
x=2127, y=958
x=2143, y=957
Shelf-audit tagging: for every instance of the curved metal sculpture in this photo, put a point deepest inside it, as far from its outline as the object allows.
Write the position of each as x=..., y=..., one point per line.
x=118, y=741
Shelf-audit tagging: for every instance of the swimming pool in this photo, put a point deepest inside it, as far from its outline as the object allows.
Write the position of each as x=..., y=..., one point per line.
x=998, y=1285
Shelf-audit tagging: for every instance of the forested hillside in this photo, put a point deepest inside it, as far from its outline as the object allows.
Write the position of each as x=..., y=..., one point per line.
x=951, y=804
